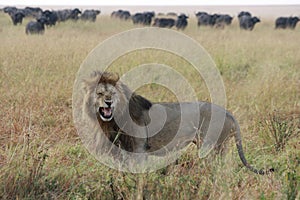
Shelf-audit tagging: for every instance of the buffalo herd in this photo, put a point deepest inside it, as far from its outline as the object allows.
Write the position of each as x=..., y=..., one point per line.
x=47, y=17
x=171, y=19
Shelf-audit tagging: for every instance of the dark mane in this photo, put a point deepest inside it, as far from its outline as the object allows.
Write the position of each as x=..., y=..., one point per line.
x=109, y=78
x=105, y=77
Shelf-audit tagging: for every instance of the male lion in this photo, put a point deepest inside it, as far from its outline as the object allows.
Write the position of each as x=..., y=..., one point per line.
x=133, y=123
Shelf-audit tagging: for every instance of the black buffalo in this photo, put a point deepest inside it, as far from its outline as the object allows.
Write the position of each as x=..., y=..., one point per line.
x=15, y=14
x=51, y=17
x=247, y=22
x=16, y=17
x=68, y=14
x=181, y=22
x=164, y=22
x=286, y=22
x=74, y=14
x=223, y=20
x=205, y=19
x=213, y=20
x=90, y=15
x=143, y=18
x=121, y=14
x=36, y=27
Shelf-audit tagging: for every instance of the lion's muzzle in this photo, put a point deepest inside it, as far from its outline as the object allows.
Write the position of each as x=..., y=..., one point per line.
x=106, y=112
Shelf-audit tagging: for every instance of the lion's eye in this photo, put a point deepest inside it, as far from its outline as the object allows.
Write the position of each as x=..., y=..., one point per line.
x=99, y=93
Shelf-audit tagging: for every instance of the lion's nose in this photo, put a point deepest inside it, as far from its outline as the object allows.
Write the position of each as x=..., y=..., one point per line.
x=108, y=102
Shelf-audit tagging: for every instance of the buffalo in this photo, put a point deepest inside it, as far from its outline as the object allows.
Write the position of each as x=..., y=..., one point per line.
x=164, y=22
x=223, y=20
x=68, y=14
x=286, y=22
x=143, y=18
x=138, y=18
x=217, y=20
x=74, y=14
x=36, y=27
x=16, y=17
x=12, y=11
x=90, y=15
x=121, y=14
x=51, y=17
x=205, y=19
x=181, y=22
x=248, y=22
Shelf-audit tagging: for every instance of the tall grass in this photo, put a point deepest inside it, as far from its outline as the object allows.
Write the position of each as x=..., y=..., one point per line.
x=41, y=155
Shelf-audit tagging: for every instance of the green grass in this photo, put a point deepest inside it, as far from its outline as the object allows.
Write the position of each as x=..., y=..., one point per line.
x=42, y=157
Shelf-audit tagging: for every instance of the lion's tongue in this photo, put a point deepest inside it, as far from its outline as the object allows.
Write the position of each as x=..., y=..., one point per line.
x=106, y=112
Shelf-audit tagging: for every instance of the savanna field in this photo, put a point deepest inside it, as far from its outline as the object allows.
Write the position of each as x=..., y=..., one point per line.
x=42, y=157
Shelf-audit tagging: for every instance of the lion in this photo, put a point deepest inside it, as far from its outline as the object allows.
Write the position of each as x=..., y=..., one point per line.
x=129, y=121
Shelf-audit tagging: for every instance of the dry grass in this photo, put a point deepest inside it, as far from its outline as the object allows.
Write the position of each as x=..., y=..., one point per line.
x=41, y=156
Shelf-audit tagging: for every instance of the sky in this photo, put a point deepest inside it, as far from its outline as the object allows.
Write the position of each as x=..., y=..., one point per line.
x=148, y=2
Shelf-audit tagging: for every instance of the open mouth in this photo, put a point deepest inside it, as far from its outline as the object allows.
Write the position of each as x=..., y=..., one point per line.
x=106, y=113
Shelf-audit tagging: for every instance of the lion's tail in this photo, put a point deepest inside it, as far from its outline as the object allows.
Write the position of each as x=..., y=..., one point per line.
x=238, y=141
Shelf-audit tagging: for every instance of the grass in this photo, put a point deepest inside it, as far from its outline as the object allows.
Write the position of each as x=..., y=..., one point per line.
x=42, y=157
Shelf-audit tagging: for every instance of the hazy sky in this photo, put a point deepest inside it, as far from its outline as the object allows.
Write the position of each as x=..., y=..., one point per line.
x=148, y=2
